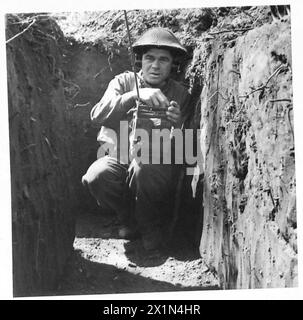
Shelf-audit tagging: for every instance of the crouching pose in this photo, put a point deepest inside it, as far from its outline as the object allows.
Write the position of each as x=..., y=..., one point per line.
x=140, y=193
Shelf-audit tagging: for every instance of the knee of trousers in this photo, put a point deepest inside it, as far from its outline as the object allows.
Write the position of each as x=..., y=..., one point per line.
x=97, y=171
x=152, y=182
x=103, y=177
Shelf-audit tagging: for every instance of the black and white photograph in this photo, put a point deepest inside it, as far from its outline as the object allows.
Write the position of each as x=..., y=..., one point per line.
x=151, y=150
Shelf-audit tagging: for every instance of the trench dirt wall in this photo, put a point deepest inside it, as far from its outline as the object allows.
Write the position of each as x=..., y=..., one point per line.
x=88, y=68
x=53, y=82
x=42, y=172
x=247, y=137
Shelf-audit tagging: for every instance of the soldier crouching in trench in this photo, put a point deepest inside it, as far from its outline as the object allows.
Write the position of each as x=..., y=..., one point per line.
x=141, y=194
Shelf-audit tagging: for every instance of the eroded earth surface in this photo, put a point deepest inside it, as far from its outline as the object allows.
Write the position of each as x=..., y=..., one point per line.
x=104, y=263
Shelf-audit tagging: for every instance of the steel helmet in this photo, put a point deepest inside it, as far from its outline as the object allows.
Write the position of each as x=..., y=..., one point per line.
x=159, y=37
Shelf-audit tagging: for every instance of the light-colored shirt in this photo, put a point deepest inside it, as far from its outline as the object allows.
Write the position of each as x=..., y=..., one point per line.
x=114, y=105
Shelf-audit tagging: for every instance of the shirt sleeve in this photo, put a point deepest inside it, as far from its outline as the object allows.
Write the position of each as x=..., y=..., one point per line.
x=114, y=104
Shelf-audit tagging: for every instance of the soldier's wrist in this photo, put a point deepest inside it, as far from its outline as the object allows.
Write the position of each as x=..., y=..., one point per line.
x=128, y=100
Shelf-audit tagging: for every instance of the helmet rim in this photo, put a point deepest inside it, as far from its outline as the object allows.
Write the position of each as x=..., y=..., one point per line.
x=160, y=38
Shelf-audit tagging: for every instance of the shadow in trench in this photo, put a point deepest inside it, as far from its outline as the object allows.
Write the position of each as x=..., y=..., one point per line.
x=181, y=250
x=104, y=225
x=103, y=263
x=86, y=277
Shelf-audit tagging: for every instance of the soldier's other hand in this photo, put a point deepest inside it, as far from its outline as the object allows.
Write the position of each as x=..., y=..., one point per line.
x=174, y=113
x=154, y=98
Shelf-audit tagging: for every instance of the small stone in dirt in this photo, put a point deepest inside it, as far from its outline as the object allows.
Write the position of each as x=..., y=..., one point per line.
x=206, y=269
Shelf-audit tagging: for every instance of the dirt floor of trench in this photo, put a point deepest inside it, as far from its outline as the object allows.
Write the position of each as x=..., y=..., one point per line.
x=103, y=263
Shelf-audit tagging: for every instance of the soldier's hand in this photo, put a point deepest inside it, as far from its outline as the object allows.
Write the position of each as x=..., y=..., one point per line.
x=154, y=98
x=174, y=113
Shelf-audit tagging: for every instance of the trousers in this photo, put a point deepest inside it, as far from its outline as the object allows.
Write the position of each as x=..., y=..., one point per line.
x=140, y=194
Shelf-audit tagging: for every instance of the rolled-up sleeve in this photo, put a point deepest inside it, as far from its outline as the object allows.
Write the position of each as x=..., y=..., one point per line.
x=114, y=104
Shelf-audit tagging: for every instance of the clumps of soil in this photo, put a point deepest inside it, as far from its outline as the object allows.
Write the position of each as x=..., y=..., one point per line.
x=108, y=27
x=228, y=24
x=191, y=26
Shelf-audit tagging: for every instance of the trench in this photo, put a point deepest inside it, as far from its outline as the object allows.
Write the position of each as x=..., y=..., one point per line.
x=240, y=229
x=53, y=83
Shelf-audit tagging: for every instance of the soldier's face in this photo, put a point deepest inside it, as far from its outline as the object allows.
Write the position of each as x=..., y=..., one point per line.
x=156, y=66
